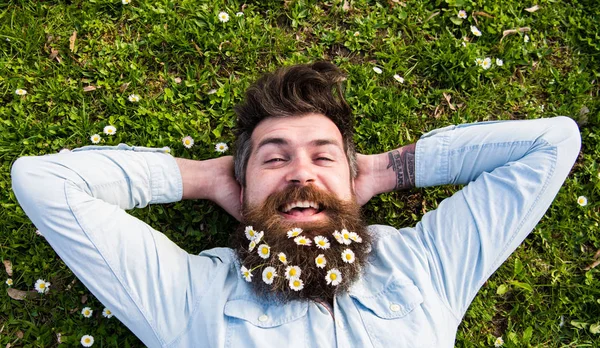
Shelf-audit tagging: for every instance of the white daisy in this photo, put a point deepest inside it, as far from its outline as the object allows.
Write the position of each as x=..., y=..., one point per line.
x=399, y=78
x=188, y=141
x=348, y=256
x=292, y=272
x=250, y=232
x=269, y=274
x=475, y=31
x=333, y=277
x=301, y=240
x=356, y=34
x=41, y=286
x=264, y=251
x=487, y=63
x=59, y=337
x=134, y=98
x=125, y=2
x=338, y=236
x=282, y=258
x=478, y=61
x=462, y=14
x=499, y=62
x=107, y=313
x=258, y=236
x=211, y=91
x=464, y=44
x=252, y=245
x=296, y=284
x=499, y=342
x=221, y=147
x=246, y=274
x=322, y=242
x=9, y=282
x=88, y=340
x=223, y=17
x=39, y=233
x=582, y=201
x=526, y=38
x=355, y=237
x=320, y=261
x=95, y=138
x=239, y=14
x=20, y=91
x=346, y=236
x=377, y=70
x=87, y=312
x=294, y=232
x=110, y=130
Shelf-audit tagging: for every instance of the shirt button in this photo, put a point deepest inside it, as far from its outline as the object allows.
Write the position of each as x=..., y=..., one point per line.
x=394, y=307
x=340, y=323
x=263, y=318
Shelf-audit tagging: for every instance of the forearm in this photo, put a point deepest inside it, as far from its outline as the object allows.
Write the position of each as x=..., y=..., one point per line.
x=394, y=170
x=201, y=178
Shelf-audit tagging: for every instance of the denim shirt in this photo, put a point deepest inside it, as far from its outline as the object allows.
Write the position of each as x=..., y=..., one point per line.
x=416, y=287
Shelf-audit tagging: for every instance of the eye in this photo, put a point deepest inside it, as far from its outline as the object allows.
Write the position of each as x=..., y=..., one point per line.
x=324, y=159
x=273, y=160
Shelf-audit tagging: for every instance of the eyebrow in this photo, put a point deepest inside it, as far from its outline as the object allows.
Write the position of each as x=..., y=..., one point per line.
x=284, y=142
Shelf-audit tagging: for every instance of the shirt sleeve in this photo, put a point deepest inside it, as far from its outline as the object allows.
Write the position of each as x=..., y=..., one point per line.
x=512, y=171
x=78, y=201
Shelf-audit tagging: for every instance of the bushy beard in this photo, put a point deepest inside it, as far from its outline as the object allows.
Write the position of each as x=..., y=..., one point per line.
x=340, y=216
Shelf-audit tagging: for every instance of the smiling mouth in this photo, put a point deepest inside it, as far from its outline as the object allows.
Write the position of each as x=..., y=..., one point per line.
x=300, y=210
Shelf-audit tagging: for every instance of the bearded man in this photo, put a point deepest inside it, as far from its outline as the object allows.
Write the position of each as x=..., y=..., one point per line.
x=304, y=269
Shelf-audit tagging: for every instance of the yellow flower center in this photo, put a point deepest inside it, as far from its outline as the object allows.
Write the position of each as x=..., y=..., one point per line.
x=333, y=276
x=269, y=275
x=319, y=260
x=42, y=285
x=296, y=283
x=187, y=141
x=87, y=340
x=348, y=256
x=292, y=272
x=265, y=250
x=321, y=242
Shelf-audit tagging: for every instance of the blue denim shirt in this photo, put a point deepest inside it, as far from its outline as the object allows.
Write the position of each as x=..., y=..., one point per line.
x=416, y=287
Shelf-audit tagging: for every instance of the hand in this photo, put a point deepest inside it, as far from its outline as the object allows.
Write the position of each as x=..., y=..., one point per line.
x=365, y=184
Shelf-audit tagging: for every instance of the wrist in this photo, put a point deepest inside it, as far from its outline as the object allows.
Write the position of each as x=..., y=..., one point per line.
x=200, y=178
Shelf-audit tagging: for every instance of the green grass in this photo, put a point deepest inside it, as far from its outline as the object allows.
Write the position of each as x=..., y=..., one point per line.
x=150, y=45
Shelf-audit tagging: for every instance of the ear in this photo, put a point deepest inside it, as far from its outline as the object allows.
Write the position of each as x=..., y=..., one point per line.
x=241, y=196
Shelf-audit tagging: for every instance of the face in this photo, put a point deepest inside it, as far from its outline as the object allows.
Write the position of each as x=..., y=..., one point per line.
x=297, y=151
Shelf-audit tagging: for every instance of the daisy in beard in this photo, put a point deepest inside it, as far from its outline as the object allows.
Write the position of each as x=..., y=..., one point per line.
x=301, y=240
x=320, y=261
x=252, y=246
x=346, y=237
x=41, y=286
x=269, y=274
x=348, y=256
x=87, y=312
x=322, y=242
x=292, y=272
x=294, y=232
x=264, y=251
x=246, y=274
x=258, y=236
x=338, y=236
x=250, y=232
x=333, y=277
x=282, y=258
x=296, y=284
x=355, y=237
x=107, y=313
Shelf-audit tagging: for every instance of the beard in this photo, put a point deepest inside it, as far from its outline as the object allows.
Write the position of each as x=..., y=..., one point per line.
x=344, y=249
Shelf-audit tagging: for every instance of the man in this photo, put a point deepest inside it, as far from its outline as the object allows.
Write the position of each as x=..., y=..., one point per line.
x=304, y=270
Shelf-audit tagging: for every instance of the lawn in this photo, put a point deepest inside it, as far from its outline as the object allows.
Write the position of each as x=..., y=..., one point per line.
x=162, y=70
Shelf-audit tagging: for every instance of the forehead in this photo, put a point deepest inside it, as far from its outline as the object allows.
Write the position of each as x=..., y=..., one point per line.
x=297, y=129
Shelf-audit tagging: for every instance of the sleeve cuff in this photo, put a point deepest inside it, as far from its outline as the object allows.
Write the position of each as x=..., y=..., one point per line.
x=431, y=157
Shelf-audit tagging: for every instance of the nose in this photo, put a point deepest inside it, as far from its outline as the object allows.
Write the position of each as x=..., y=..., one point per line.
x=301, y=172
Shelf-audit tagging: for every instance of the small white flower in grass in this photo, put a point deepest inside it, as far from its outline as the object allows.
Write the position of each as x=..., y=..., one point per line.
x=292, y=272
x=464, y=44
x=125, y=2
x=348, y=256
x=320, y=261
x=296, y=284
x=264, y=251
x=526, y=38
x=39, y=233
x=21, y=91
x=239, y=14
x=87, y=312
x=338, y=236
x=294, y=232
x=252, y=245
x=250, y=232
x=399, y=78
x=9, y=282
x=322, y=242
x=88, y=340
x=269, y=274
x=499, y=62
x=377, y=70
x=134, y=98
x=188, y=142
x=462, y=14
x=41, y=286
x=282, y=258
x=355, y=237
x=223, y=17
x=95, y=138
x=107, y=313
x=499, y=342
x=59, y=337
x=246, y=274
x=356, y=34
x=487, y=63
x=582, y=201
x=221, y=147
x=333, y=277
x=110, y=130
x=301, y=240
x=475, y=31
x=478, y=61
x=211, y=91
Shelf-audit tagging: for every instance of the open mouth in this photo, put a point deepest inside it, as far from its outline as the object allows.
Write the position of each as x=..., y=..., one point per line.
x=301, y=210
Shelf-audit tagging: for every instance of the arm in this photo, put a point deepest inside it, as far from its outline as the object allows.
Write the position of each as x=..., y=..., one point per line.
x=78, y=201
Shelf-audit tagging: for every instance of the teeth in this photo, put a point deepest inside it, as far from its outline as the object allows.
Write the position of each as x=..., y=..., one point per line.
x=300, y=204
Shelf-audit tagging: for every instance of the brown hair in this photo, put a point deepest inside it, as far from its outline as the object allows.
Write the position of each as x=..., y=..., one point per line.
x=294, y=91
